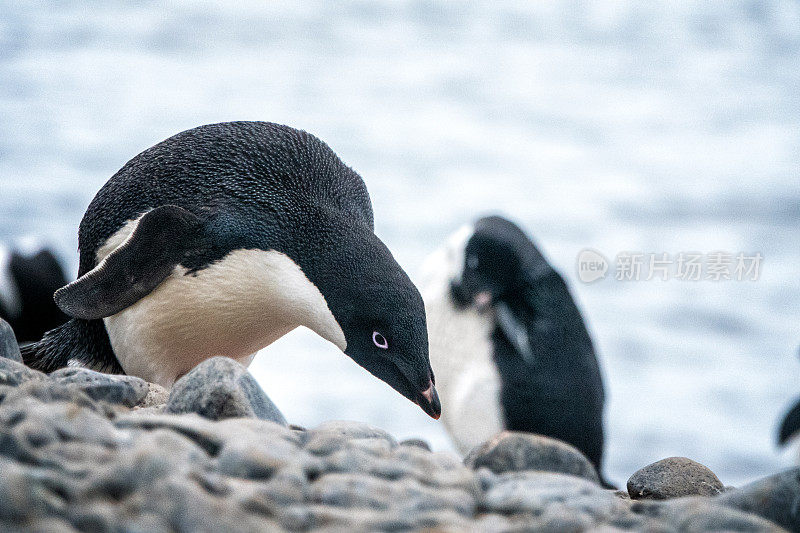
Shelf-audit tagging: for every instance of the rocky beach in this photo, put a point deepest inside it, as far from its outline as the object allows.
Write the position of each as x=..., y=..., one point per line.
x=86, y=451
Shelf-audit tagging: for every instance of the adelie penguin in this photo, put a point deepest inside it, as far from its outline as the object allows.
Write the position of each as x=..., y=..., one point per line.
x=790, y=425
x=28, y=278
x=508, y=342
x=223, y=238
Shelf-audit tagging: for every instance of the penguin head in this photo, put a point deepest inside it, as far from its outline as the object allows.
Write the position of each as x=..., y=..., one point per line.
x=492, y=262
x=381, y=314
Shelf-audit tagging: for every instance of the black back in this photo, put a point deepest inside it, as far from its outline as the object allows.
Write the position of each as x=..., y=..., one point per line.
x=560, y=394
x=790, y=425
x=257, y=185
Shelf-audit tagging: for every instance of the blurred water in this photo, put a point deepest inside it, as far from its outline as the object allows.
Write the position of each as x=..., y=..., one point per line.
x=616, y=126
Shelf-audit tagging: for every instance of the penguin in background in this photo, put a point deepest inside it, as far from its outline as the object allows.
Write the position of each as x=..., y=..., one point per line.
x=790, y=425
x=220, y=240
x=508, y=342
x=28, y=279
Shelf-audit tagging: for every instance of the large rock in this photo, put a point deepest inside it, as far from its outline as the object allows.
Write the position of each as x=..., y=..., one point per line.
x=222, y=388
x=512, y=451
x=776, y=498
x=112, y=388
x=9, y=348
x=674, y=477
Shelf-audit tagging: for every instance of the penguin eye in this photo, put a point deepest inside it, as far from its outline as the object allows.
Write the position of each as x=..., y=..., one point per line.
x=472, y=262
x=380, y=341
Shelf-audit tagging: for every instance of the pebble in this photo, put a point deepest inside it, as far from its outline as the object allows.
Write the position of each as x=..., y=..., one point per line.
x=221, y=388
x=71, y=462
x=674, y=477
x=157, y=397
x=512, y=451
x=9, y=348
x=112, y=388
x=417, y=443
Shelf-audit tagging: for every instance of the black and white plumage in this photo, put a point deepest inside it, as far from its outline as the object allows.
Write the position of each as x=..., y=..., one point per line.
x=28, y=279
x=790, y=425
x=508, y=343
x=223, y=238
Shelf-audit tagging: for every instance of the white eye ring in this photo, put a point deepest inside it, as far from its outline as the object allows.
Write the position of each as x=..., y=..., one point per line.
x=380, y=341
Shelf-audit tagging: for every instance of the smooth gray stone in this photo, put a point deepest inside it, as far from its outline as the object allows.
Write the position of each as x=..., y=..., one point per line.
x=221, y=388
x=417, y=443
x=673, y=477
x=776, y=498
x=512, y=451
x=9, y=348
x=535, y=492
x=15, y=373
x=330, y=437
x=112, y=388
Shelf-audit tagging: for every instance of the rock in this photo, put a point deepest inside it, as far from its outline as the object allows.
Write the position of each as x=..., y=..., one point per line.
x=112, y=388
x=221, y=388
x=417, y=443
x=674, y=477
x=9, y=348
x=157, y=397
x=16, y=373
x=72, y=463
x=534, y=492
x=776, y=498
x=511, y=451
x=332, y=436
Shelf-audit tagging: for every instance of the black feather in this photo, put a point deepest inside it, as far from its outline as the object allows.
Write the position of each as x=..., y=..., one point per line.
x=790, y=425
x=83, y=341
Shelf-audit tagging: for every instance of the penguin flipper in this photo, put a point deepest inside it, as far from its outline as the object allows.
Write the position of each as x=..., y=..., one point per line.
x=161, y=239
x=515, y=331
x=790, y=425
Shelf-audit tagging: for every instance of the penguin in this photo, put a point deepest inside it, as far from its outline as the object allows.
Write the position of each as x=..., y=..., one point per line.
x=508, y=342
x=790, y=426
x=28, y=279
x=222, y=239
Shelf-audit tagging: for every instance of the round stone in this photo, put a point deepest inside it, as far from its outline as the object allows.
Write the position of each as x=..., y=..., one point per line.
x=512, y=451
x=674, y=477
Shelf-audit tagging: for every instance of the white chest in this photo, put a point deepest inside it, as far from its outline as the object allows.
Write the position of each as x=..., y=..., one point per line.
x=233, y=308
x=466, y=377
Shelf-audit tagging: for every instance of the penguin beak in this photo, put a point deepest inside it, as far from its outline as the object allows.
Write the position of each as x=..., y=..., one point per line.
x=428, y=400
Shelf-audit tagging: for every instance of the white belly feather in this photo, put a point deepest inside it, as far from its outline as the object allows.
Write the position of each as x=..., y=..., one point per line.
x=233, y=307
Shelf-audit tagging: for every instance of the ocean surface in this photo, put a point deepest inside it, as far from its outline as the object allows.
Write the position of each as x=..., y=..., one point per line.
x=624, y=126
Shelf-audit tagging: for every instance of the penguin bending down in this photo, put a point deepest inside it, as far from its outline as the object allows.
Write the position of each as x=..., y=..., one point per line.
x=223, y=238
x=27, y=284
x=508, y=342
